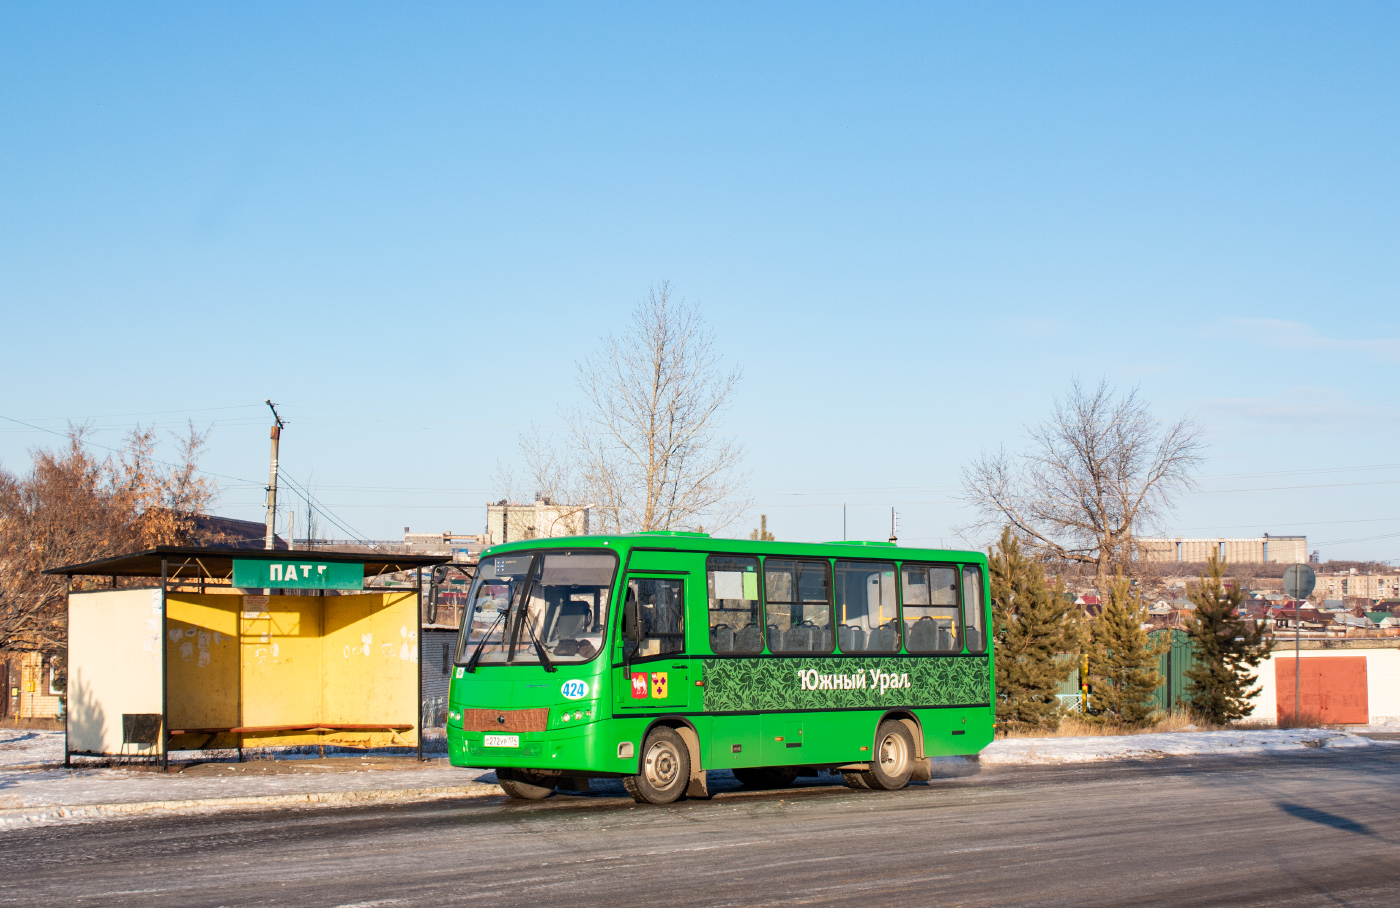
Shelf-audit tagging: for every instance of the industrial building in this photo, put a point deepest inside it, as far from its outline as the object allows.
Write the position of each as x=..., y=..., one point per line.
x=511, y=521
x=1264, y=549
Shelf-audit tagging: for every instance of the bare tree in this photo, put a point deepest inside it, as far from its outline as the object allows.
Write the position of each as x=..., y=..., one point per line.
x=1097, y=475
x=552, y=478
x=646, y=449
x=163, y=498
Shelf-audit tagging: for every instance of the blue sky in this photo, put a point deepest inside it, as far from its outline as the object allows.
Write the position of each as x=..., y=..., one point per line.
x=910, y=225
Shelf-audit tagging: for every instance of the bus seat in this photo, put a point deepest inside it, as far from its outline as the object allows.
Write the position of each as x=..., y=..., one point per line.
x=572, y=620
x=923, y=635
x=851, y=638
x=884, y=639
x=748, y=640
x=823, y=640
x=798, y=638
x=775, y=638
x=947, y=639
x=722, y=638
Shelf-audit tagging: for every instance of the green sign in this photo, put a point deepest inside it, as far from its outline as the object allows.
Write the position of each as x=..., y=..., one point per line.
x=298, y=575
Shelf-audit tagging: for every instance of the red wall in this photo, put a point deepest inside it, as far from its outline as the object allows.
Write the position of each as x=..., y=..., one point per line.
x=1332, y=688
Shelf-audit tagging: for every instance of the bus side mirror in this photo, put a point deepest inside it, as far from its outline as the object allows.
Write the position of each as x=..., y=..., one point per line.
x=631, y=621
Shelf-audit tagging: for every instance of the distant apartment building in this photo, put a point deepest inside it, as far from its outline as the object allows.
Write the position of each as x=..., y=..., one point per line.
x=1357, y=586
x=462, y=547
x=511, y=521
x=1264, y=549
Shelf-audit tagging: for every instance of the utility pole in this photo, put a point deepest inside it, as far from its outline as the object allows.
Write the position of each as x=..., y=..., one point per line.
x=1299, y=581
x=894, y=526
x=272, y=478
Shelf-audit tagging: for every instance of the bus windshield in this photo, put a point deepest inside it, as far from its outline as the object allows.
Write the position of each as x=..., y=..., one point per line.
x=527, y=601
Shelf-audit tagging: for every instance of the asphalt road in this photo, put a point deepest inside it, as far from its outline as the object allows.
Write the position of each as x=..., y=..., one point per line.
x=1312, y=829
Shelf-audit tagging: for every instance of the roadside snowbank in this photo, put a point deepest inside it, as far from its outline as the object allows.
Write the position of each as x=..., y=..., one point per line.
x=41, y=749
x=34, y=795
x=33, y=748
x=1090, y=749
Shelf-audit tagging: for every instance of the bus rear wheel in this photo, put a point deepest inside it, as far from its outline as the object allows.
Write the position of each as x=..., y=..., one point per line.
x=664, y=770
x=766, y=776
x=524, y=785
x=893, y=761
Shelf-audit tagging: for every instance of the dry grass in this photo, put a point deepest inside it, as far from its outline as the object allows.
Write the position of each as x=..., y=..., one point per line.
x=1177, y=720
x=1303, y=719
x=45, y=724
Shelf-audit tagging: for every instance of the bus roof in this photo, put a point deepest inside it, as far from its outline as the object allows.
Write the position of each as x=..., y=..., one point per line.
x=670, y=540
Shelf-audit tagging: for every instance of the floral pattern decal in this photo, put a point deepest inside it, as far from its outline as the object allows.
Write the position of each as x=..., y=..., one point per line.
x=741, y=685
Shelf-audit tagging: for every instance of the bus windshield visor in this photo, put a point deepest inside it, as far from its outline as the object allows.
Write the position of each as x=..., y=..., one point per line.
x=524, y=602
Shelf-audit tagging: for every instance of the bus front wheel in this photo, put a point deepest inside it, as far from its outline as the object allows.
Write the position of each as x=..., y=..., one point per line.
x=894, y=758
x=664, y=772
x=524, y=785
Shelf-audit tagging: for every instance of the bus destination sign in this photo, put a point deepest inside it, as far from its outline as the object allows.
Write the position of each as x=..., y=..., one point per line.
x=298, y=575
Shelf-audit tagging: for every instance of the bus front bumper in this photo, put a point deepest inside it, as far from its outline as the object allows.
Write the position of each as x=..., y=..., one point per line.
x=583, y=749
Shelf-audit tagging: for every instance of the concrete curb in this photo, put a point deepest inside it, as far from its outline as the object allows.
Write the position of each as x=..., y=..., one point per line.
x=25, y=816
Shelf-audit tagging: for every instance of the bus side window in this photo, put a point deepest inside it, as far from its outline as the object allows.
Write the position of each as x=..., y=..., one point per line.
x=736, y=623
x=867, y=616
x=931, y=609
x=798, y=595
x=663, y=615
x=973, y=609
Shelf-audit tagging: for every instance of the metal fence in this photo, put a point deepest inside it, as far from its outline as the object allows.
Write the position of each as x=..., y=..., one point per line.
x=436, y=665
x=1172, y=666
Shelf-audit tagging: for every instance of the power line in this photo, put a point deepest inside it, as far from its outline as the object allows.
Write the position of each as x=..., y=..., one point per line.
x=1276, y=523
x=1357, y=539
x=296, y=487
x=1324, y=485
x=321, y=509
x=168, y=412
x=1378, y=466
x=94, y=444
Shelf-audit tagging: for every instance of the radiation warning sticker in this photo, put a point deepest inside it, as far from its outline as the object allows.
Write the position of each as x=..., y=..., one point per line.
x=658, y=685
x=639, y=686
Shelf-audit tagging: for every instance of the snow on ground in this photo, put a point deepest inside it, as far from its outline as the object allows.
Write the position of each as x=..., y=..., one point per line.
x=41, y=788
x=29, y=746
x=36, y=749
x=1177, y=744
x=50, y=787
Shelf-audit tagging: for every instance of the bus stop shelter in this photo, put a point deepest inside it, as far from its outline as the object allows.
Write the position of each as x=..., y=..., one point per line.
x=235, y=648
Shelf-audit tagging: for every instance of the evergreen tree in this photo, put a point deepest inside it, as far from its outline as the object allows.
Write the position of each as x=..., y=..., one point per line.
x=1123, y=672
x=1228, y=647
x=1036, y=632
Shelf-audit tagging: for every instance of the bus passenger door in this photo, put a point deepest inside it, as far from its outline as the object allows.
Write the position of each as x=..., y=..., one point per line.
x=656, y=680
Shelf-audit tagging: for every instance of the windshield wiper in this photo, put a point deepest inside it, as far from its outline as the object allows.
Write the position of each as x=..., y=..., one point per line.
x=544, y=656
x=476, y=653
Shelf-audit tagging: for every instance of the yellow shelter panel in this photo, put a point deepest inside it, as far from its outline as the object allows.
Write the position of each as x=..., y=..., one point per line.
x=114, y=666
x=281, y=666
x=371, y=665
x=201, y=650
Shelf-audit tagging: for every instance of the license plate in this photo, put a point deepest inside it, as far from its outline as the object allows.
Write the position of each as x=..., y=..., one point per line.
x=502, y=741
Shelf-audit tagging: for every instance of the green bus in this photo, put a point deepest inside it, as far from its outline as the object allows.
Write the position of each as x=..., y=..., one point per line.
x=653, y=657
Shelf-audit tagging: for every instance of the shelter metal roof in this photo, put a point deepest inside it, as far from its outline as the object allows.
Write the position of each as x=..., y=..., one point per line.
x=218, y=562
